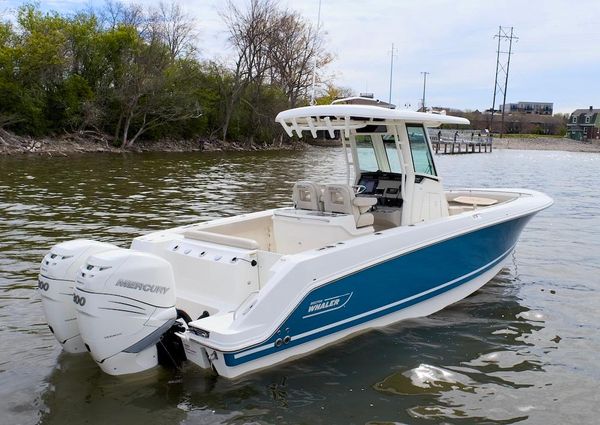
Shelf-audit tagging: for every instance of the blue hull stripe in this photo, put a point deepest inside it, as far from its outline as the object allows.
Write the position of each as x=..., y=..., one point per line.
x=393, y=285
x=454, y=283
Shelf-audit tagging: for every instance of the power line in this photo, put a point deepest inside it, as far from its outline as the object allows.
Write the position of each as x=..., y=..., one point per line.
x=502, y=69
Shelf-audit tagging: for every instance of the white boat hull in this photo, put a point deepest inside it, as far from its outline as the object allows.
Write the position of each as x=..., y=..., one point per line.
x=422, y=309
x=255, y=308
x=406, y=274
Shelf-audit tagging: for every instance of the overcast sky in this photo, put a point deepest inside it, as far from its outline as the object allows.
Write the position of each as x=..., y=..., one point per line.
x=556, y=59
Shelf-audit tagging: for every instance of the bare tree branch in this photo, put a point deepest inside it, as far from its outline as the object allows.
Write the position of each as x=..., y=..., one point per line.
x=175, y=29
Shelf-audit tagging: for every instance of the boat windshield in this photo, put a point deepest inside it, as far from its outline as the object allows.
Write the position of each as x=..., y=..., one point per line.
x=367, y=161
x=392, y=153
x=421, y=155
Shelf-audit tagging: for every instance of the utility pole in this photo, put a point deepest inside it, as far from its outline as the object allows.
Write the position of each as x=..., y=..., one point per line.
x=392, y=53
x=502, y=70
x=425, y=74
x=314, y=76
x=495, y=80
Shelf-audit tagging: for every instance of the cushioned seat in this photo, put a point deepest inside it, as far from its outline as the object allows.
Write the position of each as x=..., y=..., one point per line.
x=221, y=239
x=306, y=195
x=340, y=198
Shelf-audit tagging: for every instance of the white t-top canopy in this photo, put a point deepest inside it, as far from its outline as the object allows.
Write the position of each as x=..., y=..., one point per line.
x=347, y=117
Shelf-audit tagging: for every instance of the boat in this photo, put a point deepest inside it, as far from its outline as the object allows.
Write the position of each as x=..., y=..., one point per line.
x=243, y=293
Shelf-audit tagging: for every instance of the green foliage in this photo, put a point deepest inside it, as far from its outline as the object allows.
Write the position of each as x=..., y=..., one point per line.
x=63, y=73
x=332, y=93
x=66, y=101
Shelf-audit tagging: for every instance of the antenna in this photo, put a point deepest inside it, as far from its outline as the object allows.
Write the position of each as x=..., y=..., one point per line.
x=314, y=78
x=502, y=69
x=425, y=74
x=393, y=53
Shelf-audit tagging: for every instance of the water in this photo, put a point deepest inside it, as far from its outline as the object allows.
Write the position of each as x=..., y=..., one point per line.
x=523, y=348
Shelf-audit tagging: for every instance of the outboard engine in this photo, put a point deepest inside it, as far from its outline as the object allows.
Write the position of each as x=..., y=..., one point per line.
x=125, y=302
x=55, y=283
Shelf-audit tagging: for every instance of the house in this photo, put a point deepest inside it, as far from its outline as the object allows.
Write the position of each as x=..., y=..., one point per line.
x=584, y=124
x=537, y=108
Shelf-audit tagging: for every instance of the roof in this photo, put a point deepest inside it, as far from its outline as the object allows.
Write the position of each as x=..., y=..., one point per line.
x=361, y=100
x=347, y=117
x=586, y=111
x=521, y=102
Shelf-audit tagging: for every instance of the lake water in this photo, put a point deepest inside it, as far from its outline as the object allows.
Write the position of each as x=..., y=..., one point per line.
x=523, y=348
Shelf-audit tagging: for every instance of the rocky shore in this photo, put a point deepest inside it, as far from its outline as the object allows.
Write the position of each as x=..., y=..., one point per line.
x=91, y=142
x=88, y=142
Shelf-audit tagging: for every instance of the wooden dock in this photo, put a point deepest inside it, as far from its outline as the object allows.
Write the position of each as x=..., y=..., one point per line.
x=461, y=146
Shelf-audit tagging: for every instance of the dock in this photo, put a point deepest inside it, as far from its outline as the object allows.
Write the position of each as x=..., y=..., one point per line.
x=450, y=147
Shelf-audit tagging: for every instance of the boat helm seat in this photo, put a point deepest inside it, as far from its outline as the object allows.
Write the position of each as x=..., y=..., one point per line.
x=340, y=198
x=306, y=195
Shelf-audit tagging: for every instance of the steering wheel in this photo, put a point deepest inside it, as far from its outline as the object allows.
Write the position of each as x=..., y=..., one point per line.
x=359, y=188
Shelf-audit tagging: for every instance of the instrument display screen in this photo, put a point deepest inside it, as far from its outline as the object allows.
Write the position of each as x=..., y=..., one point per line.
x=369, y=184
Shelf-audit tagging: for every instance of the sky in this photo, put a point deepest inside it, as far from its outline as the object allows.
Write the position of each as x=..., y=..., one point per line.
x=556, y=58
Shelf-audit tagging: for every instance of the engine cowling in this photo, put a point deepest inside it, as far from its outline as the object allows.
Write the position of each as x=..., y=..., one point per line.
x=55, y=284
x=125, y=301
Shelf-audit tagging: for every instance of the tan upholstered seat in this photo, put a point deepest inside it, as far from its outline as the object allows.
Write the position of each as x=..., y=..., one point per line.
x=221, y=239
x=340, y=198
x=306, y=195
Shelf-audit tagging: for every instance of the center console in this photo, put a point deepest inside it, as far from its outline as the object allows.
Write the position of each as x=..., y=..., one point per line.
x=386, y=187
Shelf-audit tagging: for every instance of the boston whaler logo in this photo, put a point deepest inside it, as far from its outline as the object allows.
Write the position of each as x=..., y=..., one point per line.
x=142, y=286
x=328, y=304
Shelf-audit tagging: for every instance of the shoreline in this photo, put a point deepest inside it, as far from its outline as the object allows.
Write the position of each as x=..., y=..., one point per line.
x=88, y=143
x=546, y=144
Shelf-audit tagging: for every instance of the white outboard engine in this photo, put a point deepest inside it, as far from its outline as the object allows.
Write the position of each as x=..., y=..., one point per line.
x=55, y=283
x=125, y=302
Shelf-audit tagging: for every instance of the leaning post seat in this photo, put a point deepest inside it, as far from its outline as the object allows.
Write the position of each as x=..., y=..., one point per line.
x=306, y=195
x=221, y=239
x=340, y=198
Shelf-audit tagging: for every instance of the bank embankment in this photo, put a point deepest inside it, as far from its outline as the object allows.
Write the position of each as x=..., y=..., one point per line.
x=91, y=142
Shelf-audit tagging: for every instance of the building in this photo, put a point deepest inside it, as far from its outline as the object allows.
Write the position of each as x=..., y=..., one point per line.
x=584, y=124
x=364, y=99
x=538, y=108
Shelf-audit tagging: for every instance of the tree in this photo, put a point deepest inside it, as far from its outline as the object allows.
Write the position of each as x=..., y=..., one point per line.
x=150, y=90
x=275, y=49
x=249, y=34
x=116, y=14
x=174, y=29
x=132, y=72
x=8, y=89
x=148, y=77
x=35, y=65
x=333, y=92
x=296, y=52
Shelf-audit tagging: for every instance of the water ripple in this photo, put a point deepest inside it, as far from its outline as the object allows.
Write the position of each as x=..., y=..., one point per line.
x=524, y=347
